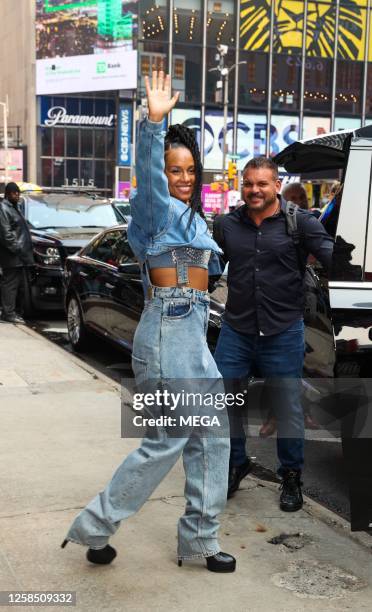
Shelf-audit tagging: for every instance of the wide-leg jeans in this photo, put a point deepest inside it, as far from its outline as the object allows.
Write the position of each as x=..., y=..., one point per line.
x=170, y=343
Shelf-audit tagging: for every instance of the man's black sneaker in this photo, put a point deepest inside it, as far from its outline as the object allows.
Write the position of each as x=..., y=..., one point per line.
x=291, y=498
x=236, y=474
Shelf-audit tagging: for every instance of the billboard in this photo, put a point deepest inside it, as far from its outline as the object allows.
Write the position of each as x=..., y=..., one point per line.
x=348, y=24
x=124, y=135
x=85, y=45
x=251, y=134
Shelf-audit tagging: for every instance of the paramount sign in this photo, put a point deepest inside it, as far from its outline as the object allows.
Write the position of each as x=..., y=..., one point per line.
x=57, y=115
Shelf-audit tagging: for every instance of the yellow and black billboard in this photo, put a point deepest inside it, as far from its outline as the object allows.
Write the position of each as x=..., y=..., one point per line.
x=320, y=31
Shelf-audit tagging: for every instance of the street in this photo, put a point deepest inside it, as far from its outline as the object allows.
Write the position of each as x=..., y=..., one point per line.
x=323, y=476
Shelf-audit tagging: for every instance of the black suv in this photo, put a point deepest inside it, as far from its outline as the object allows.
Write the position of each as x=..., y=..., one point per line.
x=61, y=223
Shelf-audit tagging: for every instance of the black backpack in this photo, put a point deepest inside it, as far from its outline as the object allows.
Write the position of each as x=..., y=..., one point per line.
x=311, y=280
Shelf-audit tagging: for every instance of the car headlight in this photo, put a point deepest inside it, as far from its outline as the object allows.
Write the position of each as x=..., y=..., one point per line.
x=48, y=255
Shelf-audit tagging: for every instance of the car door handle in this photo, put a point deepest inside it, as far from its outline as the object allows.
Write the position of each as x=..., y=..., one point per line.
x=109, y=286
x=84, y=274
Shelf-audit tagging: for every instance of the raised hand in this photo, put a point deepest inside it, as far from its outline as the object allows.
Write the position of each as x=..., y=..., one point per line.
x=159, y=96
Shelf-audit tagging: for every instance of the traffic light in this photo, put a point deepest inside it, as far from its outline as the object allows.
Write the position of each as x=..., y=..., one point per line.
x=232, y=170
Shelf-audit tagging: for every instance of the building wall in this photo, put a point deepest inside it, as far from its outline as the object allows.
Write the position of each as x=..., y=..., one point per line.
x=17, y=71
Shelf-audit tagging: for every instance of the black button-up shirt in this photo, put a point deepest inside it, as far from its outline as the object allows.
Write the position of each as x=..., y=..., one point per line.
x=265, y=280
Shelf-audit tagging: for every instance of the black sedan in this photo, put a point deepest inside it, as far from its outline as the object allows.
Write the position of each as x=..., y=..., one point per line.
x=104, y=294
x=61, y=223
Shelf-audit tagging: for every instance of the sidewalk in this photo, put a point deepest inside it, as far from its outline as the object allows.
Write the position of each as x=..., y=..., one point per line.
x=60, y=442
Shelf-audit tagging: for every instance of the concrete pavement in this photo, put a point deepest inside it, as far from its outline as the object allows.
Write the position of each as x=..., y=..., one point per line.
x=60, y=431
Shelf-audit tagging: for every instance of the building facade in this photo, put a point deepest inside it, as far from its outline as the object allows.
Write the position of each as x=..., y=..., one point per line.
x=296, y=69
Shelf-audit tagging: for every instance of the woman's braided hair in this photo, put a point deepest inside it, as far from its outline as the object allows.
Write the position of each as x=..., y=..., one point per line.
x=181, y=136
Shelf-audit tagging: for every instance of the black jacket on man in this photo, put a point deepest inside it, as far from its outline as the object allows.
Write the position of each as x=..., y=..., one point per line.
x=15, y=237
x=265, y=283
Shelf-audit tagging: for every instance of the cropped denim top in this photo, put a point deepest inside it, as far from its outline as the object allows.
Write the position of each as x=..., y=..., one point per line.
x=159, y=221
x=181, y=258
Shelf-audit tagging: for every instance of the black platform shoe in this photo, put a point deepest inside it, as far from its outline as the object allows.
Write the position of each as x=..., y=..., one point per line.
x=221, y=562
x=101, y=556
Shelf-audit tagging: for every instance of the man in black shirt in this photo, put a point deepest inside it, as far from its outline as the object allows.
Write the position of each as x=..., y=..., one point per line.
x=263, y=327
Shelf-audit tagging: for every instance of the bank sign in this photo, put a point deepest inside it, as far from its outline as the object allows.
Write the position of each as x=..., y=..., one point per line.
x=59, y=116
x=124, y=134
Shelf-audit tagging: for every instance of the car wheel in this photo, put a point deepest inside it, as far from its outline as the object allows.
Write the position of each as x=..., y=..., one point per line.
x=77, y=331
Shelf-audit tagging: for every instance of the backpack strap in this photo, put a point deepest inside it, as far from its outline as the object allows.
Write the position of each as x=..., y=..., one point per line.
x=291, y=210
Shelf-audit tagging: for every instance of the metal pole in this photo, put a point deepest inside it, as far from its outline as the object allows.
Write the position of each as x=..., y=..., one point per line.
x=270, y=79
x=225, y=111
x=236, y=80
x=204, y=81
x=303, y=64
x=334, y=79
x=366, y=54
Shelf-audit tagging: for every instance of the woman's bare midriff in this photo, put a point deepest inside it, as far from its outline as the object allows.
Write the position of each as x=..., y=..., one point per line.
x=167, y=277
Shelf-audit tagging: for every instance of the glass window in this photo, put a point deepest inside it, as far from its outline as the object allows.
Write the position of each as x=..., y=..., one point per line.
x=187, y=72
x=369, y=89
x=99, y=176
x=86, y=143
x=86, y=172
x=59, y=142
x=72, y=106
x=46, y=141
x=151, y=55
x=187, y=21
x=65, y=210
x=111, y=153
x=105, y=249
x=286, y=81
x=58, y=172
x=99, y=143
x=153, y=20
x=349, y=87
x=72, y=171
x=72, y=142
x=46, y=172
x=318, y=84
x=221, y=23
x=109, y=175
x=253, y=79
x=86, y=106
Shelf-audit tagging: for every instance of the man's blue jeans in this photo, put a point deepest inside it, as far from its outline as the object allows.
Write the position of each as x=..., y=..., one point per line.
x=279, y=359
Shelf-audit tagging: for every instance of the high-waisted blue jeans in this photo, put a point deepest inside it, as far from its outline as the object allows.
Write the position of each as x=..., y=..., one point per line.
x=278, y=358
x=170, y=343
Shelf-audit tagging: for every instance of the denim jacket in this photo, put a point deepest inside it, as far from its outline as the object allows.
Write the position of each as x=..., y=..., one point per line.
x=159, y=221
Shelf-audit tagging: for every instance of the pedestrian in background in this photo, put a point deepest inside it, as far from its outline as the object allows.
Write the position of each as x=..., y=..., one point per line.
x=296, y=193
x=16, y=253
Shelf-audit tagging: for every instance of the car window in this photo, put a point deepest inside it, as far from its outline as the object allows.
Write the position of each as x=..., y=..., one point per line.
x=111, y=248
x=105, y=248
x=70, y=210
